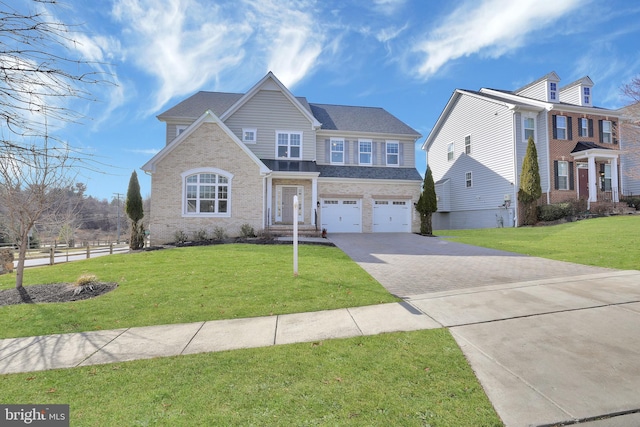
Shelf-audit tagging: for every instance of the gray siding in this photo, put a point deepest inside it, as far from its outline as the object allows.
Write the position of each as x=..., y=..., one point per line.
x=483, y=218
x=491, y=161
x=268, y=112
x=540, y=140
x=572, y=95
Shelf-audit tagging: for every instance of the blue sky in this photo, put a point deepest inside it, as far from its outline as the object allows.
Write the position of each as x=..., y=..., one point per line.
x=406, y=56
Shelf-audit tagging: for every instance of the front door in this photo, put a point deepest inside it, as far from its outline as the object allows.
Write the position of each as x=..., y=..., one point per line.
x=287, y=204
x=583, y=183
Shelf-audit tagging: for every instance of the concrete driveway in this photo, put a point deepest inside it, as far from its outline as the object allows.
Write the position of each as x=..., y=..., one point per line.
x=552, y=343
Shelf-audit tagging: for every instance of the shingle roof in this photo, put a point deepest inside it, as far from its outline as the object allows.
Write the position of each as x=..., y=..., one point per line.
x=587, y=145
x=359, y=119
x=332, y=117
x=353, y=172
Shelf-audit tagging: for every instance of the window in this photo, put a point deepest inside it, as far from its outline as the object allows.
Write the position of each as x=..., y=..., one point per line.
x=529, y=128
x=450, y=152
x=468, y=180
x=180, y=129
x=365, y=152
x=206, y=193
x=584, y=127
x=606, y=177
x=607, y=136
x=561, y=127
x=249, y=136
x=467, y=144
x=586, y=95
x=393, y=150
x=337, y=151
x=289, y=144
x=552, y=91
x=563, y=175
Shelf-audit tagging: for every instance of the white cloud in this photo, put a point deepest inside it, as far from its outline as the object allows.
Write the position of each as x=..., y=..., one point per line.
x=490, y=28
x=182, y=43
x=149, y=151
x=388, y=7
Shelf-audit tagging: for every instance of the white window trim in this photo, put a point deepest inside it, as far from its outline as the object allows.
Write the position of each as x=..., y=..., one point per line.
x=553, y=91
x=567, y=186
x=387, y=154
x=289, y=132
x=467, y=147
x=566, y=124
x=468, y=178
x=584, y=131
x=331, y=150
x=370, y=152
x=217, y=171
x=451, y=152
x=524, y=127
x=180, y=129
x=255, y=135
x=610, y=132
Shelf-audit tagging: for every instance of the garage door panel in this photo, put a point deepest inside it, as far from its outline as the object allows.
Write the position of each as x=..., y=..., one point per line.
x=391, y=216
x=341, y=215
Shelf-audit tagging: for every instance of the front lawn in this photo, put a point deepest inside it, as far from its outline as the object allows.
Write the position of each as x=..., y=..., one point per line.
x=195, y=284
x=401, y=379
x=612, y=242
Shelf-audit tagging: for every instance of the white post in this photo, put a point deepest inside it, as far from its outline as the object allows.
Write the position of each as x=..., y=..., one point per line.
x=295, y=236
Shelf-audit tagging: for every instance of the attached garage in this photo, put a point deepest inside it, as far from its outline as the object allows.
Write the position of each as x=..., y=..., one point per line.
x=341, y=215
x=391, y=216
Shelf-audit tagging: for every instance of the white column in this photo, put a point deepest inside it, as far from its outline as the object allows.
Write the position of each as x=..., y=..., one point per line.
x=614, y=179
x=270, y=200
x=593, y=180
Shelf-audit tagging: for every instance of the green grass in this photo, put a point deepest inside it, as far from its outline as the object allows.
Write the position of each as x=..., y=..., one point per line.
x=408, y=379
x=612, y=242
x=195, y=284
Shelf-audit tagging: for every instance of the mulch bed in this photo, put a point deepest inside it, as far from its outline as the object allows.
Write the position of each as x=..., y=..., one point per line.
x=56, y=292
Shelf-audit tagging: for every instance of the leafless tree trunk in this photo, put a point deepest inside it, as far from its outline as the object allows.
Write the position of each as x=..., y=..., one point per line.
x=30, y=189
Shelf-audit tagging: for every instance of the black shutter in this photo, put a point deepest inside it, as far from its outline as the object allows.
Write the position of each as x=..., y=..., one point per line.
x=614, y=126
x=600, y=131
x=571, y=176
x=569, y=129
x=555, y=126
x=555, y=174
x=590, y=128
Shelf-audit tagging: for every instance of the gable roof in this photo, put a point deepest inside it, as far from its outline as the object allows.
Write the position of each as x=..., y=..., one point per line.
x=323, y=116
x=269, y=81
x=360, y=119
x=584, y=81
x=549, y=76
x=207, y=117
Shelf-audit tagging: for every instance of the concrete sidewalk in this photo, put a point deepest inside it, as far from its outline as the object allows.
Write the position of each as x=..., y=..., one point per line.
x=120, y=345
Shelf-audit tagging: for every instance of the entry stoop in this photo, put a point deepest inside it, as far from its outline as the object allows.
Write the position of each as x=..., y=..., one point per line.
x=286, y=230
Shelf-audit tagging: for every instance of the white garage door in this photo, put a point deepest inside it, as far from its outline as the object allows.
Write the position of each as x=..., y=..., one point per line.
x=391, y=216
x=341, y=215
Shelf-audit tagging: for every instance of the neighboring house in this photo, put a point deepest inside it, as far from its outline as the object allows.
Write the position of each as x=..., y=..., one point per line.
x=630, y=158
x=232, y=159
x=476, y=148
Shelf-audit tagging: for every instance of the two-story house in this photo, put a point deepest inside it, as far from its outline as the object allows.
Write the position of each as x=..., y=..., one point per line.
x=232, y=159
x=477, y=146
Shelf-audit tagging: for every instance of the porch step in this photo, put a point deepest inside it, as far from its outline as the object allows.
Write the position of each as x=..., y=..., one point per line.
x=281, y=230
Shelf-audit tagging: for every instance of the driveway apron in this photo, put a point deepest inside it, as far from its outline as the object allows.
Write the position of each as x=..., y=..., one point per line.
x=552, y=343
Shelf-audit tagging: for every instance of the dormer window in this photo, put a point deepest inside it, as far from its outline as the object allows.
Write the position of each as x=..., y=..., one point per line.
x=553, y=90
x=586, y=95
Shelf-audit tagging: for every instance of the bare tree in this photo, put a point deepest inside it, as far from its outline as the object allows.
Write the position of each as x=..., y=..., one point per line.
x=30, y=183
x=630, y=129
x=41, y=74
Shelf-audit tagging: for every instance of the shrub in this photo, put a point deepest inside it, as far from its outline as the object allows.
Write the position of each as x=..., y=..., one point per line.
x=554, y=211
x=219, y=233
x=631, y=201
x=180, y=236
x=200, y=235
x=87, y=280
x=246, y=230
x=264, y=234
